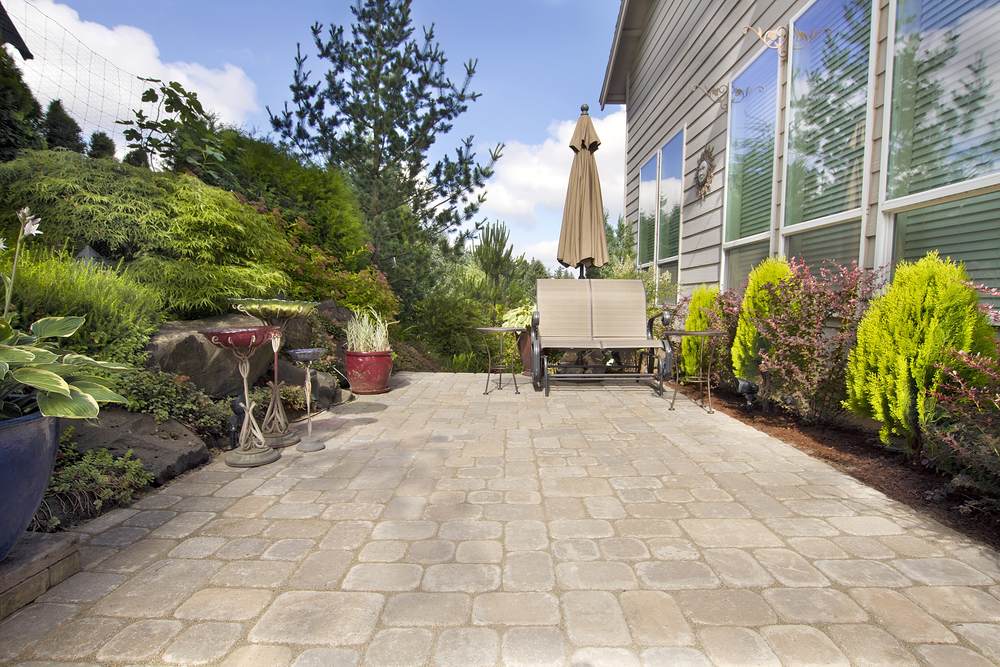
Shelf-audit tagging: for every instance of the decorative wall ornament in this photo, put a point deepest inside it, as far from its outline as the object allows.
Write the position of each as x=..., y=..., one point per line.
x=718, y=94
x=705, y=171
x=775, y=38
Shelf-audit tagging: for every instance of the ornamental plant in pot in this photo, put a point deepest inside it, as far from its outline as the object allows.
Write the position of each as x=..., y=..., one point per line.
x=38, y=384
x=369, y=356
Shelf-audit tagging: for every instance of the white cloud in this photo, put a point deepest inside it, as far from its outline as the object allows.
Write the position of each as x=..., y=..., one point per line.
x=529, y=187
x=87, y=65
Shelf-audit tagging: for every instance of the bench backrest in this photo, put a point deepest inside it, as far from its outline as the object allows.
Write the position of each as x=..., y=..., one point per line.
x=591, y=308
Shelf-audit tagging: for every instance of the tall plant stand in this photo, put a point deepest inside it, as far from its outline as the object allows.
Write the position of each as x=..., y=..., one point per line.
x=251, y=450
x=704, y=376
x=308, y=355
x=501, y=364
x=275, y=424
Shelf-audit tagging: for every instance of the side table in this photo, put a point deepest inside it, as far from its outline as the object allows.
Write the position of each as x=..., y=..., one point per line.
x=704, y=377
x=500, y=367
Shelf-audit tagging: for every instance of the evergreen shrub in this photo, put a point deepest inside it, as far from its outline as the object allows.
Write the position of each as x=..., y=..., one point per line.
x=699, y=318
x=757, y=303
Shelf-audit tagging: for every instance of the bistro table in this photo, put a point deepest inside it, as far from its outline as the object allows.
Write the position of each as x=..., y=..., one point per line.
x=501, y=366
x=704, y=376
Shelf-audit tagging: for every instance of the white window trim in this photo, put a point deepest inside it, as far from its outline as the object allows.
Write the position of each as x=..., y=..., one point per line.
x=765, y=235
x=858, y=212
x=655, y=156
x=659, y=261
x=888, y=207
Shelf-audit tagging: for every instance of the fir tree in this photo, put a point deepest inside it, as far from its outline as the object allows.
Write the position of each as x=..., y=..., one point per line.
x=20, y=113
x=137, y=158
x=101, y=146
x=61, y=131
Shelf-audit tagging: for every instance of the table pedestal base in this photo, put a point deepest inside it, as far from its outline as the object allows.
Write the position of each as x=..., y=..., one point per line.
x=279, y=440
x=251, y=458
x=310, y=446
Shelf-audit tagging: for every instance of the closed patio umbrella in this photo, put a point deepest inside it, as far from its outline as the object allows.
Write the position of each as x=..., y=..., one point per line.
x=582, y=242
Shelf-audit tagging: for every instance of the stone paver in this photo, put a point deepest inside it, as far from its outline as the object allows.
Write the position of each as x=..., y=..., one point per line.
x=595, y=527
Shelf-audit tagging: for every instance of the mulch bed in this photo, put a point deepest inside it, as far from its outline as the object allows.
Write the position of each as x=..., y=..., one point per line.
x=863, y=457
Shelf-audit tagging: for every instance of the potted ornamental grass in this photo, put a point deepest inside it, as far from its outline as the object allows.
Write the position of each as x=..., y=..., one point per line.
x=369, y=356
x=39, y=383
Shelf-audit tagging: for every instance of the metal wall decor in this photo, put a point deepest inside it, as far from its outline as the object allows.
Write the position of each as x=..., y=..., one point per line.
x=705, y=171
x=775, y=38
x=718, y=95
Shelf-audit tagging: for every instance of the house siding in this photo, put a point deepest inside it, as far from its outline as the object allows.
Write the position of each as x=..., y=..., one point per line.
x=692, y=44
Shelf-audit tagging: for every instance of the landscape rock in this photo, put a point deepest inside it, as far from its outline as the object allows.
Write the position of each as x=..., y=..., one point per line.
x=326, y=387
x=166, y=450
x=178, y=348
x=339, y=315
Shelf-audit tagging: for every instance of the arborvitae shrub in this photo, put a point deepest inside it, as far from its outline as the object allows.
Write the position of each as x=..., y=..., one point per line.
x=699, y=317
x=61, y=131
x=757, y=300
x=895, y=368
x=101, y=146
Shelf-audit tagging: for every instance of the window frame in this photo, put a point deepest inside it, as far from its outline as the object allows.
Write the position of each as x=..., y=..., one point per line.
x=885, y=234
x=655, y=157
x=659, y=261
x=768, y=234
x=871, y=97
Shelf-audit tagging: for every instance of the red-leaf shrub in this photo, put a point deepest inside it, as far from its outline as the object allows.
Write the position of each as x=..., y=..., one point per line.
x=724, y=317
x=809, y=334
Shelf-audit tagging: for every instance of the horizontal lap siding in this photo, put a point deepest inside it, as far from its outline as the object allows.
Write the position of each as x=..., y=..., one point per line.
x=693, y=43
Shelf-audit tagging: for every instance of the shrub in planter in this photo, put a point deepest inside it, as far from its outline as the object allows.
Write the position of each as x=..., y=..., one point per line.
x=369, y=355
x=903, y=338
x=963, y=437
x=699, y=318
x=758, y=300
x=807, y=336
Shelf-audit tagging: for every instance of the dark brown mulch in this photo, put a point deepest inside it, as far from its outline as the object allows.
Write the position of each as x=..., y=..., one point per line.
x=861, y=455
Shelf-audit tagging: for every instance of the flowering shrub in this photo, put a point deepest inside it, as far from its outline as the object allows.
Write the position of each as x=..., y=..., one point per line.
x=807, y=335
x=724, y=317
x=964, y=435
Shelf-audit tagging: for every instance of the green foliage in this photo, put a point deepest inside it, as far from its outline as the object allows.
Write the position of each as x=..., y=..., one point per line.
x=446, y=320
x=699, y=318
x=365, y=288
x=494, y=256
x=292, y=396
x=20, y=114
x=137, y=158
x=121, y=313
x=466, y=362
x=903, y=338
x=61, y=131
x=101, y=146
x=519, y=316
x=85, y=485
x=757, y=302
x=181, y=135
x=367, y=331
x=168, y=396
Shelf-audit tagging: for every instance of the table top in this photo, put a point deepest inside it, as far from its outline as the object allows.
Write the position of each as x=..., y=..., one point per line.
x=683, y=332
x=489, y=330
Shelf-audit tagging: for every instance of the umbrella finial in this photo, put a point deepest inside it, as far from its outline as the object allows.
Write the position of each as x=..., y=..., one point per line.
x=584, y=109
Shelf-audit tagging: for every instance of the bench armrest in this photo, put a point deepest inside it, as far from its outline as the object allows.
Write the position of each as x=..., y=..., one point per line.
x=664, y=319
x=534, y=323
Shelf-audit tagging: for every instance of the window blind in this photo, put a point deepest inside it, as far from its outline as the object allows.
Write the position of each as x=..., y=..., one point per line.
x=669, y=268
x=647, y=210
x=740, y=260
x=750, y=173
x=836, y=243
x=671, y=196
x=826, y=116
x=945, y=87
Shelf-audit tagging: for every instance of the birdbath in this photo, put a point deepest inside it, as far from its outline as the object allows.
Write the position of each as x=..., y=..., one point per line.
x=251, y=451
x=308, y=355
x=276, y=313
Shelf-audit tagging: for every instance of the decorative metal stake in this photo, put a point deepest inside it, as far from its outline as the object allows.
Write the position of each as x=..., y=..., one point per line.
x=275, y=424
x=308, y=355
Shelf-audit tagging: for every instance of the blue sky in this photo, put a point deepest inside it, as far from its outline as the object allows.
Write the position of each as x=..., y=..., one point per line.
x=538, y=61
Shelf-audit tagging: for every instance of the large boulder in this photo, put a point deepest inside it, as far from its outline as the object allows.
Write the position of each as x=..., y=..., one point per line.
x=166, y=450
x=178, y=348
x=326, y=388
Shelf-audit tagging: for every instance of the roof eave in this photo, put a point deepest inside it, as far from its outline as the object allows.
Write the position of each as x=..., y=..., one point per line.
x=628, y=30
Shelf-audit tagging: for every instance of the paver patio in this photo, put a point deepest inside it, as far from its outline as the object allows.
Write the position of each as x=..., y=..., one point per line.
x=595, y=527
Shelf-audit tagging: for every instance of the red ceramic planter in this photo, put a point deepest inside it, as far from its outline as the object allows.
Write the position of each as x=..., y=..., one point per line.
x=368, y=372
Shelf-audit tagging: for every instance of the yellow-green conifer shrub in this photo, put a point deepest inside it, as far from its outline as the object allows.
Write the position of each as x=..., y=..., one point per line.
x=702, y=304
x=756, y=304
x=893, y=369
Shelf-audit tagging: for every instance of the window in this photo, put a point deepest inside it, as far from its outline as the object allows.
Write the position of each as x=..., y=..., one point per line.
x=740, y=260
x=647, y=211
x=945, y=87
x=966, y=230
x=752, y=120
x=828, y=80
x=836, y=243
x=671, y=197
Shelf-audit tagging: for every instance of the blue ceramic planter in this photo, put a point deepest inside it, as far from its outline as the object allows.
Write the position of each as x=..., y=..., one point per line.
x=28, y=448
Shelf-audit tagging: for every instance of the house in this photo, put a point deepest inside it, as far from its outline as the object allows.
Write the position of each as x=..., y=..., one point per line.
x=825, y=129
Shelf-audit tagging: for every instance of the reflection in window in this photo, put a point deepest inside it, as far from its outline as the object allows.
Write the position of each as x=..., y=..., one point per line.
x=752, y=118
x=946, y=78
x=668, y=269
x=829, y=82
x=647, y=210
x=740, y=260
x=837, y=243
x=671, y=196
x=966, y=230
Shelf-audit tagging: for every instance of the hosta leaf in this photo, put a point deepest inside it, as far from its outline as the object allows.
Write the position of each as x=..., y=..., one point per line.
x=98, y=392
x=57, y=327
x=41, y=379
x=5, y=329
x=3, y=369
x=76, y=405
x=84, y=360
x=41, y=356
x=15, y=354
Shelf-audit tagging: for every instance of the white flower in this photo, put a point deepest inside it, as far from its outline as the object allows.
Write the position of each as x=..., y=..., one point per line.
x=3, y=245
x=31, y=226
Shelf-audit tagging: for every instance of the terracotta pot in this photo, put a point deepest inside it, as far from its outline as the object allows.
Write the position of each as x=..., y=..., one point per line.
x=524, y=347
x=368, y=372
x=28, y=448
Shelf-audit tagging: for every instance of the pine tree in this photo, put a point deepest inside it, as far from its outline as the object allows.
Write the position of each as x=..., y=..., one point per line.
x=101, y=146
x=137, y=158
x=383, y=102
x=20, y=113
x=61, y=131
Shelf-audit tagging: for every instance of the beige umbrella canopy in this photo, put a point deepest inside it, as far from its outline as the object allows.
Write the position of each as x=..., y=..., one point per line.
x=582, y=241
